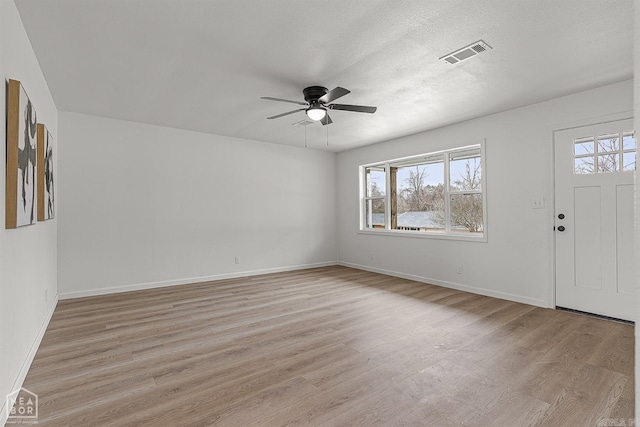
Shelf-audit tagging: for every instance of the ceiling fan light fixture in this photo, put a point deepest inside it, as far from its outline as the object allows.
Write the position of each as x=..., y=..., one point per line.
x=316, y=112
x=317, y=101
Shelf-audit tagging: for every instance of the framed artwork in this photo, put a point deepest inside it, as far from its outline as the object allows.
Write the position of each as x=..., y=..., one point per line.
x=46, y=196
x=20, y=193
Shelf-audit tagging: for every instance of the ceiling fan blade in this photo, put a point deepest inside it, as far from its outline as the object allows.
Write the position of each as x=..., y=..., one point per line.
x=333, y=94
x=326, y=120
x=285, y=114
x=356, y=108
x=269, y=98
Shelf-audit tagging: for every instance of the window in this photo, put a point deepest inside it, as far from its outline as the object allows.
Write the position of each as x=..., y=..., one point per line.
x=610, y=153
x=375, y=197
x=435, y=194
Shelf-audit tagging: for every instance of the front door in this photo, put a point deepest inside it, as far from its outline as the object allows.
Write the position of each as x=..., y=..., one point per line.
x=594, y=218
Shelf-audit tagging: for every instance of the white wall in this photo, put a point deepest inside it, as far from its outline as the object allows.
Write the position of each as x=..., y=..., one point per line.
x=144, y=206
x=27, y=254
x=517, y=261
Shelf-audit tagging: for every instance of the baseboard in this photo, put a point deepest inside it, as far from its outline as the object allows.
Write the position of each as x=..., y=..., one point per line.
x=165, y=283
x=190, y=280
x=22, y=374
x=458, y=286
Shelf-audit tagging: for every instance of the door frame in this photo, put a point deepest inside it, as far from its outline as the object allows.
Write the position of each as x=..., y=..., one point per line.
x=553, y=129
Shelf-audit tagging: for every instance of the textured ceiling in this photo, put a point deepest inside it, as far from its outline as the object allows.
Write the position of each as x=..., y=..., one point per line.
x=203, y=65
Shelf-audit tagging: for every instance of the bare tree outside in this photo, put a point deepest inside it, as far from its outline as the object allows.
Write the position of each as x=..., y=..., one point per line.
x=377, y=205
x=412, y=197
x=416, y=196
x=608, y=159
x=610, y=156
x=466, y=209
x=471, y=179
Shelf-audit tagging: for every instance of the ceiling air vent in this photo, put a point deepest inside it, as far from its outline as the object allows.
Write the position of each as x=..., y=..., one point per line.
x=466, y=52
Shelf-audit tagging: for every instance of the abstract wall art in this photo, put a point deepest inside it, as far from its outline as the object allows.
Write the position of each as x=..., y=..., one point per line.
x=21, y=199
x=46, y=192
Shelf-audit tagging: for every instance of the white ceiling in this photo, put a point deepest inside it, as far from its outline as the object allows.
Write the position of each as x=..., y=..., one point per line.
x=203, y=65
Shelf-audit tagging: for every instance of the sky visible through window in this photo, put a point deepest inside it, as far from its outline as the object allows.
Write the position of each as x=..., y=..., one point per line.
x=434, y=174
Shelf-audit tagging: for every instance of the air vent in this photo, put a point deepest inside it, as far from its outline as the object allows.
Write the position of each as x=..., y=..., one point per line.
x=466, y=52
x=304, y=123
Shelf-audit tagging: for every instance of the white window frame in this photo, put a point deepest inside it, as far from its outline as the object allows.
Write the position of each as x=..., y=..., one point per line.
x=368, y=200
x=447, y=233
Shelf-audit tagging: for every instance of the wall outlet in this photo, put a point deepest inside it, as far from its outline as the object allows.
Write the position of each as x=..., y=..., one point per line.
x=237, y=260
x=460, y=268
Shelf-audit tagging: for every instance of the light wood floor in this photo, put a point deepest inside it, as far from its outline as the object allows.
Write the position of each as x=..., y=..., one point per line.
x=329, y=346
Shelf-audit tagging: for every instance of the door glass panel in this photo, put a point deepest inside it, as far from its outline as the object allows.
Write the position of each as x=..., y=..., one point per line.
x=629, y=161
x=608, y=143
x=614, y=152
x=628, y=141
x=608, y=162
x=583, y=165
x=583, y=146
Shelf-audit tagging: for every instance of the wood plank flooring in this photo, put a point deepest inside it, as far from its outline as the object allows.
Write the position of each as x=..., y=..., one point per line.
x=329, y=346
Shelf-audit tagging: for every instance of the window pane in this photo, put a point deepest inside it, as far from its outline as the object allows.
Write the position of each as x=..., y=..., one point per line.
x=608, y=143
x=466, y=213
x=628, y=141
x=375, y=182
x=417, y=186
x=583, y=146
x=629, y=163
x=420, y=197
x=374, y=213
x=608, y=162
x=584, y=165
x=465, y=171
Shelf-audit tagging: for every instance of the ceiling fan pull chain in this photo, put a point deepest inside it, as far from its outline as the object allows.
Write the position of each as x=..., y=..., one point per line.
x=327, y=135
x=305, y=137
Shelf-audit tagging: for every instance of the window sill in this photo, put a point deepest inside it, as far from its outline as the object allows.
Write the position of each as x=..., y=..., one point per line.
x=426, y=235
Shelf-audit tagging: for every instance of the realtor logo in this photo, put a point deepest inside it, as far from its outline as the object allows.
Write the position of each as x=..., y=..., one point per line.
x=22, y=406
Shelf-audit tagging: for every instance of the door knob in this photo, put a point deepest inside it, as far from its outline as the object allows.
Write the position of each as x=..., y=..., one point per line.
x=561, y=216
x=561, y=228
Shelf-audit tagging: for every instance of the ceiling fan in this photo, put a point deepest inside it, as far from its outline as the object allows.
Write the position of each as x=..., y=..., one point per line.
x=318, y=100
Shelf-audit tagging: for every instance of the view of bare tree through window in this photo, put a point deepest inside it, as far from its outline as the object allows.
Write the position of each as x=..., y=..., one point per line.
x=377, y=203
x=466, y=209
x=466, y=212
x=375, y=183
x=424, y=199
x=605, y=154
x=420, y=195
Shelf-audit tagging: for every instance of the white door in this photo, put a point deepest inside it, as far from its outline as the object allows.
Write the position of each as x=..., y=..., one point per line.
x=594, y=218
